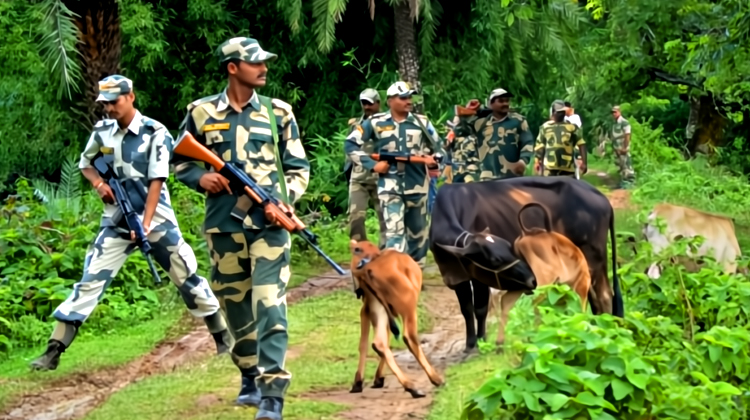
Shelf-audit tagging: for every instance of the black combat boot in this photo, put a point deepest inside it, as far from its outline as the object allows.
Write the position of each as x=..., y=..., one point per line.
x=51, y=358
x=249, y=393
x=270, y=409
x=222, y=340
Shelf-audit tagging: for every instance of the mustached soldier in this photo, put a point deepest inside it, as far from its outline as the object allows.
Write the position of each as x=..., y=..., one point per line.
x=556, y=143
x=250, y=253
x=363, y=184
x=138, y=149
x=402, y=187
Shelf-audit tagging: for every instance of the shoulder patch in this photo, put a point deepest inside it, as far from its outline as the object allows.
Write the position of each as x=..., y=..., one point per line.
x=278, y=103
x=517, y=116
x=203, y=100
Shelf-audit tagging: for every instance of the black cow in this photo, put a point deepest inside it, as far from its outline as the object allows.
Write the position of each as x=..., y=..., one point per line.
x=473, y=227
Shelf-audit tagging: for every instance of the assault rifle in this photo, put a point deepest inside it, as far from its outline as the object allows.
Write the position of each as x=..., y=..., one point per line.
x=131, y=217
x=462, y=111
x=189, y=147
x=396, y=157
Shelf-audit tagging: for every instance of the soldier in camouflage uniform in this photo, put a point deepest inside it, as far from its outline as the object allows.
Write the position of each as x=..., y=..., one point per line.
x=620, y=137
x=363, y=183
x=250, y=252
x=402, y=187
x=504, y=143
x=138, y=149
x=463, y=147
x=556, y=143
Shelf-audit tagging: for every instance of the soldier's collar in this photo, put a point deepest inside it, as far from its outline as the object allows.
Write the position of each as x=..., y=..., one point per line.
x=135, y=125
x=224, y=101
x=493, y=119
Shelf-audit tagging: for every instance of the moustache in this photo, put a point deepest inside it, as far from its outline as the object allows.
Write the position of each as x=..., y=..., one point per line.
x=262, y=75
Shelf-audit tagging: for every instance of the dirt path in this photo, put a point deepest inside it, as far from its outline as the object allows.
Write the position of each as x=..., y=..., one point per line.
x=76, y=395
x=443, y=346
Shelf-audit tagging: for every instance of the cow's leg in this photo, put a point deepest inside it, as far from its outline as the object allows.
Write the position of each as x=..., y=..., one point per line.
x=506, y=304
x=381, y=347
x=465, y=301
x=364, y=337
x=411, y=339
x=600, y=293
x=481, y=307
x=379, y=381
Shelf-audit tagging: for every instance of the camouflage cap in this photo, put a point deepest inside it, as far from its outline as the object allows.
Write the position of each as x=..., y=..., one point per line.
x=246, y=49
x=557, y=106
x=111, y=87
x=400, y=89
x=370, y=95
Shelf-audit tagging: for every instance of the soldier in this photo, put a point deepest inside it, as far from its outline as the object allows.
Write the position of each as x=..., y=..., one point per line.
x=138, y=149
x=620, y=136
x=250, y=252
x=556, y=143
x=462, y=148
x=504, y=143
x=402, y=187
x=363, y=184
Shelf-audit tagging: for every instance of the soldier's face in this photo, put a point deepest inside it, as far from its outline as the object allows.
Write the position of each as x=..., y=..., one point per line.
x=120, y=107
x=615, y=114
x=501, y=104
x=249, y=74
x=370, y=108
x=399, y=104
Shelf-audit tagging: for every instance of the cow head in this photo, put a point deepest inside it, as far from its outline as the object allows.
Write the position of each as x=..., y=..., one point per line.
x=493, y=253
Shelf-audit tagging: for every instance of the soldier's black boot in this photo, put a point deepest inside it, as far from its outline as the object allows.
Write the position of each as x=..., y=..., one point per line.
x=249, y=393
x=222, y=340
x=270, y=409
x=51, y=357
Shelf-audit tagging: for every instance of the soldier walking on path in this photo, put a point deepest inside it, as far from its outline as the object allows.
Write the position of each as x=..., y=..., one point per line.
x=250, y=252
x=402, y=187
x=504, y=143
x=620, y=136
x=556, y=143
x=363, y=183
x=138, y=150
x=462, y=148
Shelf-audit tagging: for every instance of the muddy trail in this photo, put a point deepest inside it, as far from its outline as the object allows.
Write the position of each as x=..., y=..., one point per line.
x=619, y=198
x=76, y=395
x=443, y=346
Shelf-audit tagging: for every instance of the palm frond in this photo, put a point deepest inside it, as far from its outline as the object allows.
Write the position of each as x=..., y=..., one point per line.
x=58, y=45
x=431, y=12
x=292, y=10
x=70, y=180
x=326, y=14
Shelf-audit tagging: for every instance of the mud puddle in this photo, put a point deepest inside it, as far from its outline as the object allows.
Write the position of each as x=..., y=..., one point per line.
x=443, y=346
x=76, y=395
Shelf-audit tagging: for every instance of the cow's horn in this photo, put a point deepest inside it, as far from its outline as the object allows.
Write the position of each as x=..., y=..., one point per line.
x=452, y=249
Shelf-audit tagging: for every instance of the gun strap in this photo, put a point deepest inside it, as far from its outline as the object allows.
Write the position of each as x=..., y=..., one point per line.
x=266, y=102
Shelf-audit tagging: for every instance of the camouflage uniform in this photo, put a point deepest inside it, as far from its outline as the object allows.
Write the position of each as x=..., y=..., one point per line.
x=464, y=148
x=249, y=258
x=403, y=190
x=137, y=154
x=620, y=128
x=556, y=144
x=363, y=188
x=498, y=143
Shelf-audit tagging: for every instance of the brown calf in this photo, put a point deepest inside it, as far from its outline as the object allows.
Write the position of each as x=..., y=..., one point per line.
x=553, y=258
x=390, y=283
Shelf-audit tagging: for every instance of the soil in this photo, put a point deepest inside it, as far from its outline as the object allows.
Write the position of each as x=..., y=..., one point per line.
x=443, y=347
x=76, y=395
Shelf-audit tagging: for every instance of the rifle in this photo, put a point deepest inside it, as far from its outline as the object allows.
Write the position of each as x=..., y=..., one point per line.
x=188, y=146
x=131, y=217
x=462, y=111
x=396, y=157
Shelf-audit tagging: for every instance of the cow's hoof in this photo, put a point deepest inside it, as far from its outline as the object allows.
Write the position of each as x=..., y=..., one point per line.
x=470, y=349
x=378, y=383
x=439, y=382
x=357, y=387
x=415, y=393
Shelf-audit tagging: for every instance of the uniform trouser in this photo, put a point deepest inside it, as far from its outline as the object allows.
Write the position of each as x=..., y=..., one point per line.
x=250, y=272
x=103, y=261
x=360, y=194
x=406, y=223
x=558, y=172
x=627, y=174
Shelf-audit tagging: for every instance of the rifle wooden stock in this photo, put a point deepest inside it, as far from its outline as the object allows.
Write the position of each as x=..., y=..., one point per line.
x=462, y=111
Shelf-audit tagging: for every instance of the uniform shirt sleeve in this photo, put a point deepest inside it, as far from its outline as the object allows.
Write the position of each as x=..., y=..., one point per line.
x=91, y=149
x=468, y=147
x=186, y=171
x=578, y=138
x=294, y=161
x=539, y=145
x=353, y=146
x=161, y=150
x=625, y=126
x=436, y=141
x=527, y=142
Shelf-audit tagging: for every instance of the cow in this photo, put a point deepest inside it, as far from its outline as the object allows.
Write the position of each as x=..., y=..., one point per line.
x=683, y=222
x=390, y=281
x=474, y=224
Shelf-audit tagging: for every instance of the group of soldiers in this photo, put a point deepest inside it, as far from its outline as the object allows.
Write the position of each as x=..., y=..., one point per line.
x=244, y=303
x=484, y=143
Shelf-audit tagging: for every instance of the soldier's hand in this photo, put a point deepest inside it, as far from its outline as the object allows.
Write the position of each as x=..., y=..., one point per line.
x=431, y=162
x=584, y=168
x=473, y=104
x=381, y=167
x=105, y=193
x=214, y=182
x=519, y=167
x=271, y=216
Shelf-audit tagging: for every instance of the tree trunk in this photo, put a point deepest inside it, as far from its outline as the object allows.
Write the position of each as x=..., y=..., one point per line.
x=99, y=30
x=705, y=129
x=406, y=48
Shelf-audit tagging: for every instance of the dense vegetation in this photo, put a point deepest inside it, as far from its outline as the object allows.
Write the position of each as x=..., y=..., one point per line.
x=680, y=69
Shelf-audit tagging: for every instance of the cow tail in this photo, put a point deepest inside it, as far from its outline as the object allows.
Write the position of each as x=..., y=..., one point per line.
x=618, y=307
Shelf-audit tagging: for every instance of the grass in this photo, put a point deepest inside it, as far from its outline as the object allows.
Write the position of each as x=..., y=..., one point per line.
x=324, y=336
